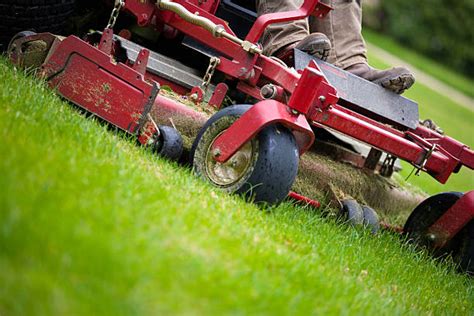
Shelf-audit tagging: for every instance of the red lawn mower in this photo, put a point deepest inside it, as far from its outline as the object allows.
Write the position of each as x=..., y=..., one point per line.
x=209, y=51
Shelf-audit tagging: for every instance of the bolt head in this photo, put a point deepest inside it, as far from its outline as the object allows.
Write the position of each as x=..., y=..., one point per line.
x=431, y=237
x=216, y=152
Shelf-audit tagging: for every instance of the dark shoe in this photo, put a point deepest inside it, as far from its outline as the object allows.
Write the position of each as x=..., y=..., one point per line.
x=396, y=79
x=315, y=44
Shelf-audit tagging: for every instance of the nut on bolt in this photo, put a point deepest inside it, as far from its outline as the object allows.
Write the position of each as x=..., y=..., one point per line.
x=268, y=91
x=216, y=152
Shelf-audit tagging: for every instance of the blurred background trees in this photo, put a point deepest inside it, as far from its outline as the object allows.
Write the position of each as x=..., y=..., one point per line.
x=442, y=30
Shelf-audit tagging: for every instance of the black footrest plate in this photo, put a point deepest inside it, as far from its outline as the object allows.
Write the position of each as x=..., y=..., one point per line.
x=364, y=96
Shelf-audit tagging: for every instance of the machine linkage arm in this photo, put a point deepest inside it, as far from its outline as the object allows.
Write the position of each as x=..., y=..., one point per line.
x=215, y=29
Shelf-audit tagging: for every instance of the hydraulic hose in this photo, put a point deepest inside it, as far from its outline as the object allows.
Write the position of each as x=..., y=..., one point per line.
x=214, y=29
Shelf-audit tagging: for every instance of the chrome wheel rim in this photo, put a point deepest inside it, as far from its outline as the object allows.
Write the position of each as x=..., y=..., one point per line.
x=234, y=169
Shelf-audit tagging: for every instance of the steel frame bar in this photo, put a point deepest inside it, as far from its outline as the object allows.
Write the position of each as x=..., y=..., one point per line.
x=303, y=199
x=265, y=20
x=439, y=165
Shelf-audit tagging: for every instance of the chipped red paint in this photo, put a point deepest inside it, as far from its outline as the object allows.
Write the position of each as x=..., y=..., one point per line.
x=87, y=77
x=219, y=95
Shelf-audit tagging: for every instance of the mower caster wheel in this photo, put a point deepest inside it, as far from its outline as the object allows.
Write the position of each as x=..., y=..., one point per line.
x=169, y=144
x=460, y=247
x=352, y=212
x=263, y=170
x=371, y=219
x=22, y=34
x=18, y=35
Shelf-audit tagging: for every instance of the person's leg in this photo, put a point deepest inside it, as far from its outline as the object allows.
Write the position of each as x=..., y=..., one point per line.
x=279, y=35
x=279, y=39
x=343, y=26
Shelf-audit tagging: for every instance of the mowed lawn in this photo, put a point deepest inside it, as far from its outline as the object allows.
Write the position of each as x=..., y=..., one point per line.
x=456, y=120
x=92, y=224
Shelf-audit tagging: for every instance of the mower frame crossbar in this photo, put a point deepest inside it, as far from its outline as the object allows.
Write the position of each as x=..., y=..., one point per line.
x=438, y=164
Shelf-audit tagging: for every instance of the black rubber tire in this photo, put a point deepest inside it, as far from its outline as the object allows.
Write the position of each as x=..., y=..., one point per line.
x=371, y=219
x=38, y=15
x=460, y=248
x=352, y=212
x=170, y=143
x=273, y=164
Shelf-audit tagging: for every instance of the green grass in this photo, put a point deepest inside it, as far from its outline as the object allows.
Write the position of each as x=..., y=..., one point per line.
x=92, y=224
x=455, y=120
x=439, y=71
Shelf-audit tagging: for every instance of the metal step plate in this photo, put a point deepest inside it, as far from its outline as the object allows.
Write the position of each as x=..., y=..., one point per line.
x=364, y=96
x=164, y=66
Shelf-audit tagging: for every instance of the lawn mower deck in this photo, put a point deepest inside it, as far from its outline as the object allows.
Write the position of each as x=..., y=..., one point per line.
x=254, y=149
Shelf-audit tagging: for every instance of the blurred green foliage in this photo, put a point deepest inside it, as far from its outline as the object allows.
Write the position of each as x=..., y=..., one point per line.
x=442, y=30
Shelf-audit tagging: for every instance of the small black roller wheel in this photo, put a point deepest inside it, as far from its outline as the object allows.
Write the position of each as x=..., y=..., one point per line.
x=264, y=169
x=169, y=144
x=461, y=247
x=371, y=219
x=352, y=212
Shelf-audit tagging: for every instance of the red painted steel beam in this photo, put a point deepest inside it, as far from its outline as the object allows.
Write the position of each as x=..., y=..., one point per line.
x=265, y=20
x=277, y=73
x=455, y=148
x=303, y=199
x=312, y=91
x=439, y=165
x=455, y=219
x=257, y=118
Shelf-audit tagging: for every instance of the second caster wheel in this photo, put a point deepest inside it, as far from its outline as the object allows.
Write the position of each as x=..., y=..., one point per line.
x=357, y=215
x=352, y=212
x=371, y=219
x=169, y=144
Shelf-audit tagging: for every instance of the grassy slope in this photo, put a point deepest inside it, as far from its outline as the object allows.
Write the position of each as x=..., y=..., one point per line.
x=440, y=72
x=455, y=120
x=90, y=223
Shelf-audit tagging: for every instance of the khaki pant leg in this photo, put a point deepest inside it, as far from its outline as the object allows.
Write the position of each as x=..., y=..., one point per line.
x=279, y=35
x=343, y=26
